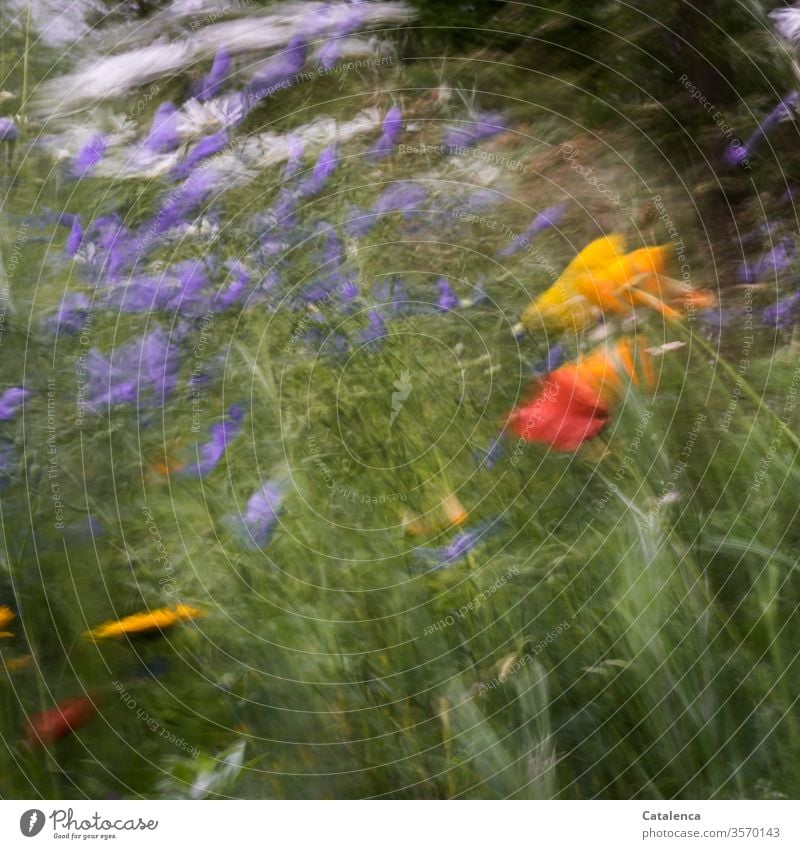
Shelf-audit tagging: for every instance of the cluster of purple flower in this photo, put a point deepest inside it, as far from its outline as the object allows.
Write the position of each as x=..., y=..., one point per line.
x=121, y=270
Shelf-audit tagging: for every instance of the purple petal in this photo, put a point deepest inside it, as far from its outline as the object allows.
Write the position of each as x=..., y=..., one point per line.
x=145, y=369
x=404, y=195
x=358, y=221
x=222, y=435
x=8, y=130
x=493, y=452
x=390, y=133
x=11, y=402
x=549, y=218
x=485, y=126
x=89, y=155
x=329, y=54
x=782, y=314
x=448, y=300
x=294, y=159
x=278, y=73
x=261, y=514
x=163, y=135
x=459, y=547
x=235, y=290
x=75, y=236
x=71, y=314
x=736, y=153
x=206, y=147
x=376, y=328
x=212, y=82
x=320, y=174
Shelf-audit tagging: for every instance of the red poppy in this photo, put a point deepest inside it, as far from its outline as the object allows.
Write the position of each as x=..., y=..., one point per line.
x=564, y=413
x=51, y=725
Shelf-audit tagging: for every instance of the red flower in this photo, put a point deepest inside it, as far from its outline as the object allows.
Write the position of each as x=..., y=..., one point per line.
x=565, y=412
x=51, y=725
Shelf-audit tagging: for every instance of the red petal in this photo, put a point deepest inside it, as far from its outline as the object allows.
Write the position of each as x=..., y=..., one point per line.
x=563, y=414
x=51, y=725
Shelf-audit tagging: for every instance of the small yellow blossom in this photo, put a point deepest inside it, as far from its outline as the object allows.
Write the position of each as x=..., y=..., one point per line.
x=141, y=623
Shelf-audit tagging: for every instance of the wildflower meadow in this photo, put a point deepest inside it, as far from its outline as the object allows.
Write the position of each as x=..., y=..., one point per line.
x=399, y=400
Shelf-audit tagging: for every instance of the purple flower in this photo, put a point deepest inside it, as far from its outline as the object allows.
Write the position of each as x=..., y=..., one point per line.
x=376, y=327
x=404, y=196
x=448, y=300
x=320, y=174
x=461, y=545
x=332, y=252
x=358, y=221
x=736, y=153
x=211, y=83
x=350, y=290
x=326, y=344
x=277, y=73
x=145, y=368
x=163, y=135
x=555, y=356
x=779, y=257
x=222, y=434
x=71, y=314
x=329, y=55
x=469, y=133
x=75, y=236
x=782, y=314
x=179, y=204
x=179, y=288
x=294, y=159
x=390, y=133
x=261, y=515
x=235, y=290
x=112, y=249
x=393, y=296
x=493, y=452
x=549, y=218
x=8, y=131
x=206, y=147
x=89, y=155
x=11, y=402
x=479, y=199
x=352, y=16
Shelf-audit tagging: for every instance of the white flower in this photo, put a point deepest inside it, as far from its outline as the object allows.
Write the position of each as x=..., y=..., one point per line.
x=196, y=118
x=787, y=23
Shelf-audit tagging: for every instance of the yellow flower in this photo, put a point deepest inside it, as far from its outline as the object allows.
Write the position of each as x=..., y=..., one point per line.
x=453, y=513
x=603, y=279
x=6, y=616
x=14, y=664
x=141, y=623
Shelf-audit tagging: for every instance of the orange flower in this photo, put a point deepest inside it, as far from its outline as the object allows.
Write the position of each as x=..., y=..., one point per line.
x=7, y=615
x=454, y=514
x=143, y=623
x=572, y=404
x=51, y=725
x=167, y=464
